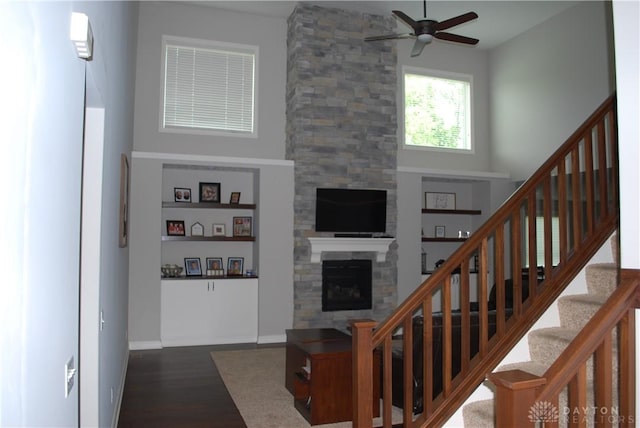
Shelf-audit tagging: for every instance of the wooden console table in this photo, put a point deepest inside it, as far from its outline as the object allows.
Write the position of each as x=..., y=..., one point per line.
x=318, y=374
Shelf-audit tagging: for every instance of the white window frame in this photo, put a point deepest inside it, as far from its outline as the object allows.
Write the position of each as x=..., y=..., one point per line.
x=214, y=45
x=440, y=75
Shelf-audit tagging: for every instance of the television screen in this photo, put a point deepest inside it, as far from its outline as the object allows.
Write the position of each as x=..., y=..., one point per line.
x=351, y=210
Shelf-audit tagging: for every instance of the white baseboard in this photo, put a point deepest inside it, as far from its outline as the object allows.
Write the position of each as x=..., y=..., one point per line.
x=137, y=346
x=279, y=338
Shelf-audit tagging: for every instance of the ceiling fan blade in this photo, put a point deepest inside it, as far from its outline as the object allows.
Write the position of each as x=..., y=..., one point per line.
x=408, y=20
x=456, y=38
x=452, y=22
x=418, y=46
x=388, y=37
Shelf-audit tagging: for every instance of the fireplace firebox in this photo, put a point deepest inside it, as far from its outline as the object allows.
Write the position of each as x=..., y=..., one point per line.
x=346, y=285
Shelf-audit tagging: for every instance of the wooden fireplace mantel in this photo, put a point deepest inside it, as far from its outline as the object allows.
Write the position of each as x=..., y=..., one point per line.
x=319, y=245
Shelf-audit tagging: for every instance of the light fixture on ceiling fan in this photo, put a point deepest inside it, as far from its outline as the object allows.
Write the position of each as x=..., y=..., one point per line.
x=425, y=30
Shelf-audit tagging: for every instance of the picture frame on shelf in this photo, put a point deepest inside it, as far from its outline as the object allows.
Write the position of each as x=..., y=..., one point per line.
x=219, y=229
x=192, y=266
x=439, y=201
x=440, y=232
x=235, y=266
x=181, y=194
x=214, y=266
x=210, y=192
x=234, y=199
x=242, y=226
x=175, y=228
x=197, y=229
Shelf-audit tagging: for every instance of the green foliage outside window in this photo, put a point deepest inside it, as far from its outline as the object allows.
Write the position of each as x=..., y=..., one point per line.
x=436, y=112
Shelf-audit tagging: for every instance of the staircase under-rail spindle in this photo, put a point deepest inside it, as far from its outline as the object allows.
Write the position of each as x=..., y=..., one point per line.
x=574, y=198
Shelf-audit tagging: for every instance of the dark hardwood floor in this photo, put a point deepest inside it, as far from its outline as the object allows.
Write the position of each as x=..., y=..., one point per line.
x=178, y=387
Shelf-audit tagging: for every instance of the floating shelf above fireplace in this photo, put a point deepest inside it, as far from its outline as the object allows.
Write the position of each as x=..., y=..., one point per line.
x=380, y=246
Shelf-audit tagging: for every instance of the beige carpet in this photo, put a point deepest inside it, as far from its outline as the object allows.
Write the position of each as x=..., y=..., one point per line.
x=255, y=380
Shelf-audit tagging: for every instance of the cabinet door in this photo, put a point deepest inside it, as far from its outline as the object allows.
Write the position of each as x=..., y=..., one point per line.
x=208, y=312
x=186, y=316
x=235, y=310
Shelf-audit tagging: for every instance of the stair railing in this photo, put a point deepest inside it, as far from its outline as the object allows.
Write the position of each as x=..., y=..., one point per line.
x=573, y=198
x=526, y=400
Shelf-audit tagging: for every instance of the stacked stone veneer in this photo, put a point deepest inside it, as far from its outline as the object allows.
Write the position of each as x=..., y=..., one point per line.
x=341, y=133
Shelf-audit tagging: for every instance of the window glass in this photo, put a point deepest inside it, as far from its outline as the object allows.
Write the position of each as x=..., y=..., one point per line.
x=540, y=233
x=437, y=110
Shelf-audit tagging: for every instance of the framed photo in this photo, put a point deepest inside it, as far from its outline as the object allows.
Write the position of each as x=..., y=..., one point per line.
x=440, y=201
x=210, y=192
x=242, y=226
x=214, y=263
x=192, y=266
x=219, y=229
x=197, y=229
x=181, y=194
x=235, y=266
x=235, y=198
x=440, y=231
x=214, y=266
x=175, y=227
x=123, y=233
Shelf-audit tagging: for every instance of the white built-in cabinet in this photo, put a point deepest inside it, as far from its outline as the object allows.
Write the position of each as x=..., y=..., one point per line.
x=209, y=311
x=202, y=309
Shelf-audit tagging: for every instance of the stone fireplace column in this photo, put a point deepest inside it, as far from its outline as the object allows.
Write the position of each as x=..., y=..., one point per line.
x=341, y=133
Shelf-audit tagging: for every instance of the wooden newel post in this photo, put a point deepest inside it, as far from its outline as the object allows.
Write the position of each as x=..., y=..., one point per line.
x=362, y=384
x=516, y=391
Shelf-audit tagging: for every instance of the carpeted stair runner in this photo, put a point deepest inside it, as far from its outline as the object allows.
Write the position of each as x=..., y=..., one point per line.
x=546, y=344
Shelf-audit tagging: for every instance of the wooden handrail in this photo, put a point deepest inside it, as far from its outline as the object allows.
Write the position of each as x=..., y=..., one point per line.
x=569, y=370
x=583, y=169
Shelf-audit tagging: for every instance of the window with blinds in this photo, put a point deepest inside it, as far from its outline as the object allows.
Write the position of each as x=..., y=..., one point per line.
x=208, y=87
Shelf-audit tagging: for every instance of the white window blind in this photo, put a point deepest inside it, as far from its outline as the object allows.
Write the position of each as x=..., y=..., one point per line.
x=207, y=88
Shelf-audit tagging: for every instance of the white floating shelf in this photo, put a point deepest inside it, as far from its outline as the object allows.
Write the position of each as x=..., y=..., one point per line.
x=380, y=246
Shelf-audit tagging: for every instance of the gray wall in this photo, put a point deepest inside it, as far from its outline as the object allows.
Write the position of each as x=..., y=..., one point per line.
x=545, y=83
x=43, y=135
x=202, y=22
x=449, y=57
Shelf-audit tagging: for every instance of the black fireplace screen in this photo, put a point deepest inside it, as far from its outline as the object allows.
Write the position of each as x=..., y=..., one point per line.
x=346, y=285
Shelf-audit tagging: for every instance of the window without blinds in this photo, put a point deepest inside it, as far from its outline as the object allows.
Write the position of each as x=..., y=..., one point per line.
x=209, y=88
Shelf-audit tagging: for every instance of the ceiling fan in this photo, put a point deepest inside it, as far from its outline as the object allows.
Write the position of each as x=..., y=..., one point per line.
x=425, y=30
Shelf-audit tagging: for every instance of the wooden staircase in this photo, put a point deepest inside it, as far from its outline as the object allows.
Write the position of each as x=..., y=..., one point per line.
x=547, y=344
x=583, y=169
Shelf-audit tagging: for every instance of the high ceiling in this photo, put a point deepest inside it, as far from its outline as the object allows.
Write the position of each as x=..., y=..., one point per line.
x=498, y=21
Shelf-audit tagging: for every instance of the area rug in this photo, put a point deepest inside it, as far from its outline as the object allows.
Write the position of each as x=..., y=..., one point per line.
x=255, y=380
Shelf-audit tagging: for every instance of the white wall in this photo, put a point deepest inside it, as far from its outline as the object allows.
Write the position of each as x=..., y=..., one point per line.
x=42, y=134
x=545, y=83
x=626, y=18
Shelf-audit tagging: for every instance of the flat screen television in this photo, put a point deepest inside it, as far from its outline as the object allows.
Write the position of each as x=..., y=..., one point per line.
x=351, y=210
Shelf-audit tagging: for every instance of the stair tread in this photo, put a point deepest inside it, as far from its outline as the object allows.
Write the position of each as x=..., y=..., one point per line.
x=479, y=414
x=534, y=367
x=562, y=333
x=595, y=299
